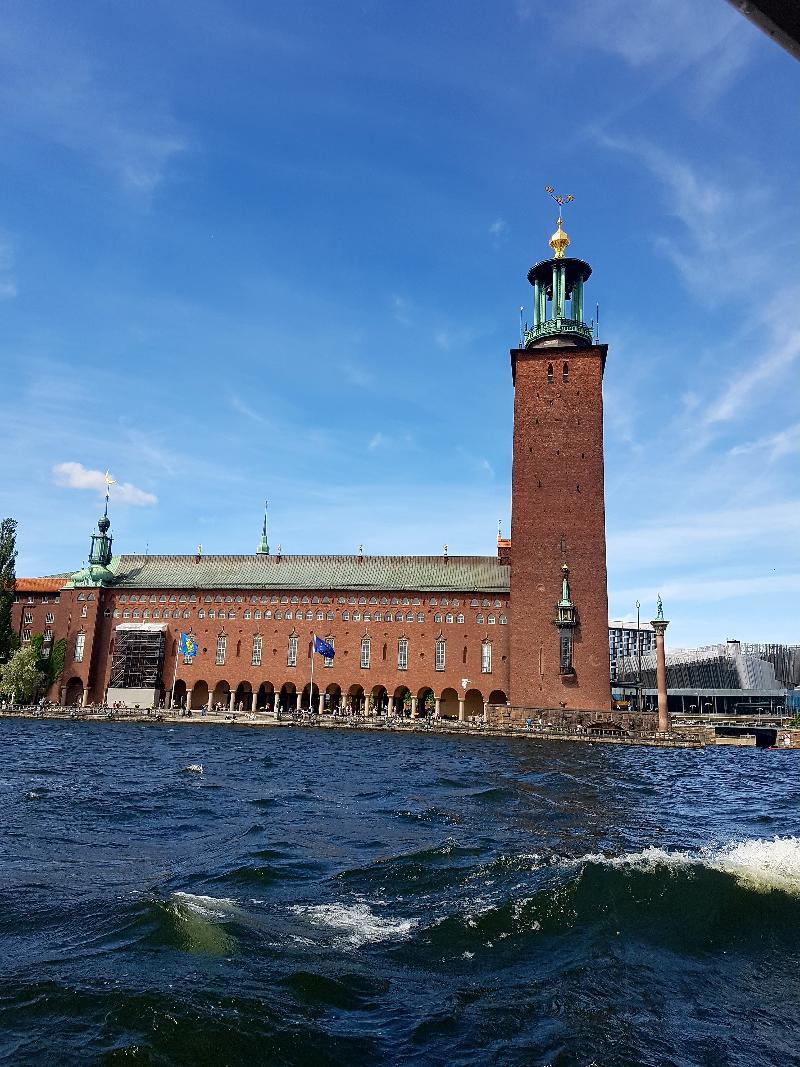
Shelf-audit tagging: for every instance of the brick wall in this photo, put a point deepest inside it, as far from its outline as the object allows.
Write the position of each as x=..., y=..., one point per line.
x=558, y=515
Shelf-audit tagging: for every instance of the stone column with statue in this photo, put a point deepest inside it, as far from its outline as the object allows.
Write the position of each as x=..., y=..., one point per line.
x=660, y=624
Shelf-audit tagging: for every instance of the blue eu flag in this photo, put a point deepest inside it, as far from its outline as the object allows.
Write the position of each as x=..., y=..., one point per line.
x=187, y=645
x=324, y=648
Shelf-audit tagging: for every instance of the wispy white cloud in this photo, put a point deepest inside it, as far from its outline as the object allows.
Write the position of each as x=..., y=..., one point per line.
x=50, y=88
x=742, y=388
x=356, y=374
x=723, y=214
x=706, y=531
x=376, y=441
x=401, y=309
x=71, y=475
x=498, y=231
x=704, y=54
x=241, y=407
x=773, y=446
x=700, y=590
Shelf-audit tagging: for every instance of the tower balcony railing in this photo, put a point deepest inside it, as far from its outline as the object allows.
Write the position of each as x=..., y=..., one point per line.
x=551, y=327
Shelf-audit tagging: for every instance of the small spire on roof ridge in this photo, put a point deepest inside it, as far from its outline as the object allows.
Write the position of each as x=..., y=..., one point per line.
x=263, y=544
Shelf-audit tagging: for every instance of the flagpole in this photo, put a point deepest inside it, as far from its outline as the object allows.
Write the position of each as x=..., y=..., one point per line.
x=311, y=685
x=174, y=676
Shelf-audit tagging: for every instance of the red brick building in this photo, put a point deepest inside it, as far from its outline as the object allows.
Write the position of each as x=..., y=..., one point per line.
x=451, y=634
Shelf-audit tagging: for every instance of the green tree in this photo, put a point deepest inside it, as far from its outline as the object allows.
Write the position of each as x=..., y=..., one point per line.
x=20, y=678
x=55, y=664
x=8, y=556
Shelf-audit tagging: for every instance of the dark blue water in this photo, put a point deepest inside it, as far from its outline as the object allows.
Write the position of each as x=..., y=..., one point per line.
x=331, y=897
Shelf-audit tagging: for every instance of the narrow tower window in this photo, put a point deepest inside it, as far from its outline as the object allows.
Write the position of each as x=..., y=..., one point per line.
x=402, y=654
x=565, y=372
x=256, y=661
x=550, y=374
x=222, y=642
x=486, y=657
x=291, y=658
x=365, y=650
x=439, y=657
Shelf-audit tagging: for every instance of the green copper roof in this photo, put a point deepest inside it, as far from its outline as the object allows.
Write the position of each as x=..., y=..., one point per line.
x=422, y=573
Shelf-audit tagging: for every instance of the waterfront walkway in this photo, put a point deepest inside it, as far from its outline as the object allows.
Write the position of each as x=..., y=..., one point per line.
x=474, y=727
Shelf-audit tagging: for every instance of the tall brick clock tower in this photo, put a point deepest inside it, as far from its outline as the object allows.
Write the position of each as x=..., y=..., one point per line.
x=559, y=600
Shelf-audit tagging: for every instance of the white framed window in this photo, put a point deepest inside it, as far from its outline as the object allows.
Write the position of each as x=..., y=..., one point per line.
x=345, y=616
x=479, y=620
x=26, y=636
x=389, y=616
x=247, y=615
x=460, y=619
x=29, y=617
x=502, y=620
x=437, y=617
x=80, y=645
x=356, y=616
x=448, y=617
x=212, y=614
x=439, y=654
x=378, y=616
x=420, y=616
x=84, y=611
x=491, y=620
x=402, y=654
x=291, y=658
x=365, y=651
x=486, y=657
x=48, y=635
x=126, y=614
x=410, y=616
x=201, y=614
x=256, y=660
x=222, y=644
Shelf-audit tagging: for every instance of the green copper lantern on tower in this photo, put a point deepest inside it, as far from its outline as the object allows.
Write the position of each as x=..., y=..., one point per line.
x=558, y=314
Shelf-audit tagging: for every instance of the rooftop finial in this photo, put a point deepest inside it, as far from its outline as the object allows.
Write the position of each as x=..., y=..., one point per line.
x=263, y=545
x=109, y=482
x=559, y=241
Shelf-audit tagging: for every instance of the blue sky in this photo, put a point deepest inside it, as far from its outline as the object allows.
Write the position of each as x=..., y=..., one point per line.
x=278, y=251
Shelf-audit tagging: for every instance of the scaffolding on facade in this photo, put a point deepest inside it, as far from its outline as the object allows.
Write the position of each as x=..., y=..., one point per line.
x=138, y=658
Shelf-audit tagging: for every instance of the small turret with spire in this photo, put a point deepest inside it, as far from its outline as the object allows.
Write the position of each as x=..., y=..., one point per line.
x=96, y=572
x=263, y=545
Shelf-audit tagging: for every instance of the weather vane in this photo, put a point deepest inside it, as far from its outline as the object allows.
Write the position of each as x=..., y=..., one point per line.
x=560, y=200
x=560, y=240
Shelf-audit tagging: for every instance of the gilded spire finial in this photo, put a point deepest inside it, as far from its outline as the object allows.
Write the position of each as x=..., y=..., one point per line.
x=560, y=240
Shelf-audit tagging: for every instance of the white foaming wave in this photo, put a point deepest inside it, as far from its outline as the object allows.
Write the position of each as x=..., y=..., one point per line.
x=215, y=908
x=355, y=924
x=758, y=864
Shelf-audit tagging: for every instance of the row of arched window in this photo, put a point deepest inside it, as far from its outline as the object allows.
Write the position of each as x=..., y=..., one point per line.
x=309, y=616
x=184, y=598
x=365, y=659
